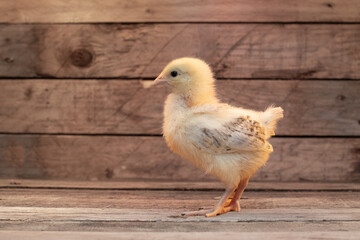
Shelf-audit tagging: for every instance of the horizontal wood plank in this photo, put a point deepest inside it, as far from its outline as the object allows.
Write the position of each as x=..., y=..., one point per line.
x=159, y=211
x=42, y=11
x=36, y=235
x=117, y=157
x=112, y=214
x=172, y=202
x=142, y=50
x=173, y=185
x=151, y=227
x=312, y=108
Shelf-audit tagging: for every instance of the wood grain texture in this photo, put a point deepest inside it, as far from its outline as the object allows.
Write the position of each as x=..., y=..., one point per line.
x=116, y=157
x=142, y=50
x=172, y=202
x=312, y=108
x=57, y=11
x=173, y=185
x=112, y=214
x=36, y=235
x=122, y=211
x=151, y=227
x=166, y=206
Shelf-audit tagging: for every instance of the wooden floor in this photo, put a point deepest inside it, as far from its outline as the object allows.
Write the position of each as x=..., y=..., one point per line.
x=135, y=210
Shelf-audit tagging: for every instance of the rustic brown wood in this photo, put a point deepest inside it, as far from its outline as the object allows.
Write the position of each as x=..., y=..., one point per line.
x=142, y=50
x=36, y=235
x=112, y=214
x=126, y=107
x=158, y=211
x=165, y=206
x=117, y=157
x=26, y=11
x=120, y=227
x=280, y=40
x=174, y=185
x=173, y=202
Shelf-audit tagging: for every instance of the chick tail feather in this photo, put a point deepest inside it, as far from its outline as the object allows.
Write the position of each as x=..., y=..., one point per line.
x=269, y=119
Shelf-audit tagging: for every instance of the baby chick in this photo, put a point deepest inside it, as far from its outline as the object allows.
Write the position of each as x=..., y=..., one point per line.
x=228, y=142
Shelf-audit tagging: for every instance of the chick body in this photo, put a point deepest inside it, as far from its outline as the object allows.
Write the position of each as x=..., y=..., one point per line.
x=184, y=128
x=228, y=142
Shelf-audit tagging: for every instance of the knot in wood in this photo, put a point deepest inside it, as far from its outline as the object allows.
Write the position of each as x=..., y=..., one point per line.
x=8, y=59
x=81, y=57
x=341, y=97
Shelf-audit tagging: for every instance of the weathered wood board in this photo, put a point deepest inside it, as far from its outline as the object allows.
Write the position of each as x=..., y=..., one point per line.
x=175, y=185
x=294, y=51
x=28, y=11
x=312, y=108
x=173, y=202
x=112, y=214
x=35, y=235
x=151, y=211
x=346, y=227
x=119, y=157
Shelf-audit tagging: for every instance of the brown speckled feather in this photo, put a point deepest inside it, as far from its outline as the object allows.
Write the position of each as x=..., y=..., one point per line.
x=240, y=135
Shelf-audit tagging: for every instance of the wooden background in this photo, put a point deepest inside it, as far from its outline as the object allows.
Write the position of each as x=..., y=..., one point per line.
x=73, y=103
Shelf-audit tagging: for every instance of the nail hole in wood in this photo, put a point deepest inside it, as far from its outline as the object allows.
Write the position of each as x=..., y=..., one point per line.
x=329, y=5
x=109, y=173
x=28, y=93
x=341, y=97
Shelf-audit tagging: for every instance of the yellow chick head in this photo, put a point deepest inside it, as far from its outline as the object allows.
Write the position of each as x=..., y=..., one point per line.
x=191, y=78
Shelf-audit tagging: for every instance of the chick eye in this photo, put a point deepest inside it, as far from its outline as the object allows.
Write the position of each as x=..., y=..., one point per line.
x=174, y=73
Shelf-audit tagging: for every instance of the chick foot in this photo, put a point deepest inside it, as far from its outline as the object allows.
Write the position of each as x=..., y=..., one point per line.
x=220, y=206
x=217, y=211
x=233, y=206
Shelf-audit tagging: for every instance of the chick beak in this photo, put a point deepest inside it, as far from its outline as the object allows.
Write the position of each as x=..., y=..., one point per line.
x=159, y=79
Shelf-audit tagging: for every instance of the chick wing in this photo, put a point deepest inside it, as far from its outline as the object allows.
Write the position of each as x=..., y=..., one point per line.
x=214, y=135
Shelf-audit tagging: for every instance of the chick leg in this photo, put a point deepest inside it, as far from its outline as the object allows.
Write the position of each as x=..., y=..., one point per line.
x=219, y=208
x=234, y=205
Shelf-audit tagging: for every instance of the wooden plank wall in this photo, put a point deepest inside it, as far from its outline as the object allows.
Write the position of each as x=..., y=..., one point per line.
x=73, y=103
